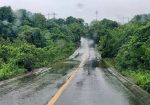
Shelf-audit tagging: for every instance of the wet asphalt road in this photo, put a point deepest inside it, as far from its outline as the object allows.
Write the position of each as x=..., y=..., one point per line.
x=94, y=85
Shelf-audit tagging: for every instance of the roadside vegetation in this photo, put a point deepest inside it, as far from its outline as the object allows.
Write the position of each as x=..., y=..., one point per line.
x=126, y=47
x=29, y=40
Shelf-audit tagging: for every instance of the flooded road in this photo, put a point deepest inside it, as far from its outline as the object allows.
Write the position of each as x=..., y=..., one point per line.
x=93, y=84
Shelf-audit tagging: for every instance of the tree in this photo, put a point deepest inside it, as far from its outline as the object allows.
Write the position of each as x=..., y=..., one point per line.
x=32, y=35
x=29, y=41
x=6, y=14
x=77, y=31
x=7, y=30
x=39, y=20
x=141, y=19
x=60, y=21
x=51, y=24
x=71, y=20
x=23, y=17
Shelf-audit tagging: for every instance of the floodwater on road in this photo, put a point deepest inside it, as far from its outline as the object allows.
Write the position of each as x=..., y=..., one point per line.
x=92, y=85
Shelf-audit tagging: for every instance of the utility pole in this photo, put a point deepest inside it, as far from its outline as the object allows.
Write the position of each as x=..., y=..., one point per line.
x=48, y=15
x=126, y=18
x=53, y=14
x=123, y=20
x=96, y=13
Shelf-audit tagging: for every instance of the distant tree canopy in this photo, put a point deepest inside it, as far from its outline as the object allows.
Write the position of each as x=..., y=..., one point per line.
x=71, y=20
x=39, y=20
x=7, y=30
x=144, y=18
x=23, y=17
x=6, y=14
x=101, y=28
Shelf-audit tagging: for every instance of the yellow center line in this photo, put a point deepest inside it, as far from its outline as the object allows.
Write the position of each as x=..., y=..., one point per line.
x=63, y=87
x=66, y=83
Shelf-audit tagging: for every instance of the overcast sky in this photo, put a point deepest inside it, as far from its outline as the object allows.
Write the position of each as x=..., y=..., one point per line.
x=111, y=9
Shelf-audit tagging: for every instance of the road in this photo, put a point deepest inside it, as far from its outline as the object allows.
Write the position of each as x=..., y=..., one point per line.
x=95, y=85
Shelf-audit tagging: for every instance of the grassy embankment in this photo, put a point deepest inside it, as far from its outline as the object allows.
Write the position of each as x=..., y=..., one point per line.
x=139, y=77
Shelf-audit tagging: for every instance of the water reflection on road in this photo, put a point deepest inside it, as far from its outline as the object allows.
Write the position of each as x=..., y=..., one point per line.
x=95, y=85
x=35, y=89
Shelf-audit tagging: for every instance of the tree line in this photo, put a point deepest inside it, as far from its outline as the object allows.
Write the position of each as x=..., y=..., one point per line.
x=127, y=46
x=29, y=40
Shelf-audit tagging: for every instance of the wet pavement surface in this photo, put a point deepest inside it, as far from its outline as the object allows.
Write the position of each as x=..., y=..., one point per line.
x=35, y=89
x=93, y=84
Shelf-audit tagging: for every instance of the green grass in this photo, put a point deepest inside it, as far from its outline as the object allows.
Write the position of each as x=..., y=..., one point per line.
x=9, y=71
x=140, y=77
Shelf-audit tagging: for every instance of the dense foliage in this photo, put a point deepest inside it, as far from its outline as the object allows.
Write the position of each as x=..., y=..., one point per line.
x=128, y=45
x=29, y=40
x=144, y=18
